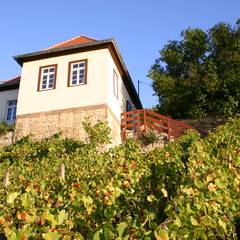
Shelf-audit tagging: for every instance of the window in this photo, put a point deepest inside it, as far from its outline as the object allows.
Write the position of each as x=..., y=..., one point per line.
x=77, y=73
x=11, y=111
x=128, y=106
x=115, y=83
x=47, y=77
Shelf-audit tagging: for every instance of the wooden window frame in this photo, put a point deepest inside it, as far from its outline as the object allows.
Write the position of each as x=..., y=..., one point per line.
x=39, y=88
x=69, y=83
x=114, y=82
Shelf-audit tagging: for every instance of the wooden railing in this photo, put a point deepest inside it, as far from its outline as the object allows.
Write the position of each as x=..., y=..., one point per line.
x=142, y=121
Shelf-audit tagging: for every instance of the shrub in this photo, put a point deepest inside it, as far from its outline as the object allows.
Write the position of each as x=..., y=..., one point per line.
x=5, y=128
x=148, y=138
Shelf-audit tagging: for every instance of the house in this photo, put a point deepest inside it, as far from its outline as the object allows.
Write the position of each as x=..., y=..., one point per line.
x=61, y=85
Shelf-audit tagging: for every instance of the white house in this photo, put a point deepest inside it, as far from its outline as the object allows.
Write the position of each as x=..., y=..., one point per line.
x=61, y=85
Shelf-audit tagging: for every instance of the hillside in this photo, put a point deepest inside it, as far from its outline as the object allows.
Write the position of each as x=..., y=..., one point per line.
x=67, y=189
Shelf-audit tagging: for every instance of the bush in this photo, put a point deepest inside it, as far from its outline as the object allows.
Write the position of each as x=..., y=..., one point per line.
x=5, y=128
x=188, y=190
x=148, y=138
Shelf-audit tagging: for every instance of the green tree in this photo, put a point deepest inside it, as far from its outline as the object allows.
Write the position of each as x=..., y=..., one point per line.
x=200, y=73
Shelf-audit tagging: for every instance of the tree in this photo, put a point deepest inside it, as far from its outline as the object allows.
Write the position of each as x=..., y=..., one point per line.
x=200, y=74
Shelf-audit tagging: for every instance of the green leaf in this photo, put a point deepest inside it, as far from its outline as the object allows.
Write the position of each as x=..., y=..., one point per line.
x=11, y=197
x=161, y=234
x=178, y=222
x=96, y=235
x=121, y=228
x=62, y=216
x=13, y=236
x=193, y=221
x=151, y=198
x=51, y=236
x=222, y=224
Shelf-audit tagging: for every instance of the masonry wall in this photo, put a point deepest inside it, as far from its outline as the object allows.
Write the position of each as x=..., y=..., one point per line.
x=6, y=139
x=67, y=121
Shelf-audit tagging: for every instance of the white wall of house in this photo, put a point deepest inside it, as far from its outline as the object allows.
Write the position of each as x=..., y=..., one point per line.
x=117, y=105
x=62, y=97
x=6, y=96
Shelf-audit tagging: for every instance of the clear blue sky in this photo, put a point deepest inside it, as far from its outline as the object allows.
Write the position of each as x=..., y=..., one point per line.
x=141, y=28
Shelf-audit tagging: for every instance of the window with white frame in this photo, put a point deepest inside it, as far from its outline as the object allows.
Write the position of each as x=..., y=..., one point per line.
x=47, y=77
x=115, y=83
x=11, y=111
x=77, y=73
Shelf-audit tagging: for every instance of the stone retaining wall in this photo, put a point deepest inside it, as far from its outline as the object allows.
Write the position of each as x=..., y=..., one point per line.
x=67, y=121
x=6, y=139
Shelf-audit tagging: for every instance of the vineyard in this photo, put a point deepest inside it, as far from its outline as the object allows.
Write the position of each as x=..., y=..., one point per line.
x=190, y=189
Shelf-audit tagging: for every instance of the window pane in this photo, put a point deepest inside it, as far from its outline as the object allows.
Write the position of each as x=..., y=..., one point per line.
x=74, y=82
x=44, y=77
x=50, y=85
x=81, y=76
x=52, y=69
x=75, y=65
x=81, y=65
x=74, y=72
x=44, y=86
x=45, y=70
x=74, y=77
x=9, y=114
x=14, y=113
x=81, y=71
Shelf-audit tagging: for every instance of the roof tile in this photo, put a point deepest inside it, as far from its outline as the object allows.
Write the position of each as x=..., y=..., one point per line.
x=73, y=41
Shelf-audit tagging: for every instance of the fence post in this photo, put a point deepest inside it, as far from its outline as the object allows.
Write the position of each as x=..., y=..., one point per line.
x=62, y=172
x=6, y=181
x=145, y=120
x=172, y=139
x=169, y=129
x=138, y=124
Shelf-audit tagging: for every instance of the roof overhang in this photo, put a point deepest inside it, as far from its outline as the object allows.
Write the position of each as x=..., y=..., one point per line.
x=10, y=84
x=95, y=45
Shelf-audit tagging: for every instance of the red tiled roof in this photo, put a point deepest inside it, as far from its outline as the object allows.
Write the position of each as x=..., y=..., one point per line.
x=11, y=80
x=12, y=83
x=73, y=41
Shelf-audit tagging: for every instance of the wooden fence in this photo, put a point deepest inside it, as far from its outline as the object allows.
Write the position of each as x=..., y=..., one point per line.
x=142, y=121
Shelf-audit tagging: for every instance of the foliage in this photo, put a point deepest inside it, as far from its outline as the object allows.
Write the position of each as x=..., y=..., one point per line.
x=199, y=74
x=5, y=128
x=148, y=138
x=188, y=190
x=99, y=133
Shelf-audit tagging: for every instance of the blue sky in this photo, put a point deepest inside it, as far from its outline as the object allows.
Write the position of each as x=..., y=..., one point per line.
x=141, y=28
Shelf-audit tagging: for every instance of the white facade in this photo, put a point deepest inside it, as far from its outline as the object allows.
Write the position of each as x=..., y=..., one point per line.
x=116, y=104
x=5, y=97
x=31, y=100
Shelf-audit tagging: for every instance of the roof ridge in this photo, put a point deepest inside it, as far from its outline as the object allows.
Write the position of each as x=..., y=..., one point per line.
x=71, y=39
x=11, y=79
x=83, y=35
